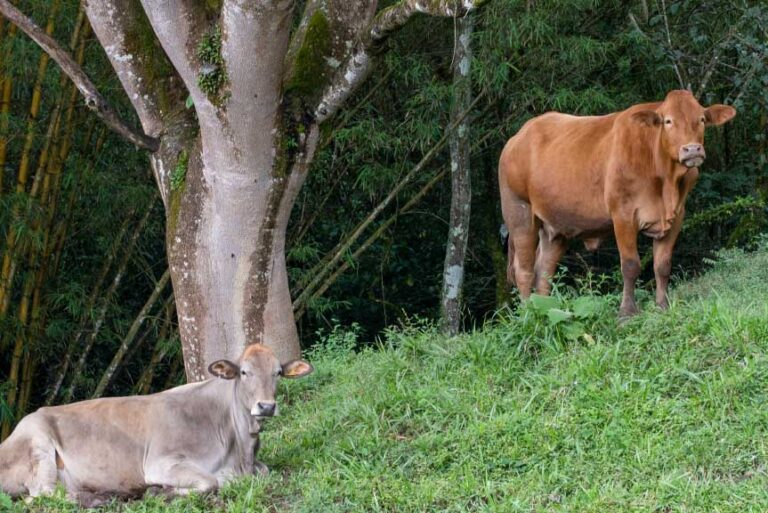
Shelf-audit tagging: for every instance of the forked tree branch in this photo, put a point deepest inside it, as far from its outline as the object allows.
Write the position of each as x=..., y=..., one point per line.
x=358, y=65
x=93, y=99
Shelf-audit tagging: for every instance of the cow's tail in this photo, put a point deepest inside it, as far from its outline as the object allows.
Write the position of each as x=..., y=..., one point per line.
x=509, y=250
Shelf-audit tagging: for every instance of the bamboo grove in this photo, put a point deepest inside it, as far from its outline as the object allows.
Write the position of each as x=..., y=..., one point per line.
x=86, y=308
x=51, y=150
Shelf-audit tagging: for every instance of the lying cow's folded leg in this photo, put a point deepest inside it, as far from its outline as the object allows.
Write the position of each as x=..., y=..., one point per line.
x=183, y=477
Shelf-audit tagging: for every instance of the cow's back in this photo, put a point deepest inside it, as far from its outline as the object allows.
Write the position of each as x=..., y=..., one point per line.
x=557, y=163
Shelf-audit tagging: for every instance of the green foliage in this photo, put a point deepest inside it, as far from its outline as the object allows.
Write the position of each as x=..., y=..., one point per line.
x=663, y=413
x=213, y=72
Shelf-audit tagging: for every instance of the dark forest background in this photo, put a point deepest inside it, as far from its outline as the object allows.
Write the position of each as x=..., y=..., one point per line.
x=85, y=308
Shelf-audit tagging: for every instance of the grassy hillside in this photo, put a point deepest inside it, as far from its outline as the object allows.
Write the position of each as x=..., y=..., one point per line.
x=553, y=407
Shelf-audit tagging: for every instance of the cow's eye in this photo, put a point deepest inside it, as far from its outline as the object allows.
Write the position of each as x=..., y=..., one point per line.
x=668, y=121
x=279, y=372
x=703, y=119
x=242, y=373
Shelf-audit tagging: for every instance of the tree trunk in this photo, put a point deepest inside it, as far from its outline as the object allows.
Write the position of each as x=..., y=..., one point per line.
x=461, y=190
x=229, y=176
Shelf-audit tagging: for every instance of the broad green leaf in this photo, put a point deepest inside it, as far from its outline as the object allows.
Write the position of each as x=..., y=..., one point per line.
x=556, y=315
x=586, y=306
x=543, y=303
x=573, y=330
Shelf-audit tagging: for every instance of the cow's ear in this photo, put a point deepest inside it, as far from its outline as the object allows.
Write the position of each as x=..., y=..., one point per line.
x=647, y=117
x=719, y=114
x=296, y=369
x=224, y=369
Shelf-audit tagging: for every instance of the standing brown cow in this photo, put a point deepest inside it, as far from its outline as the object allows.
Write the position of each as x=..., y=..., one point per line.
x=564, y=177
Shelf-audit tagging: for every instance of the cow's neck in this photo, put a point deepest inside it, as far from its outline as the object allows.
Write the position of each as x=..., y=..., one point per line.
x=235, y=416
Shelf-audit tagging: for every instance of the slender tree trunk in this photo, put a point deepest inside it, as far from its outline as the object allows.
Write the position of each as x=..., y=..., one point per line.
x=461, y=190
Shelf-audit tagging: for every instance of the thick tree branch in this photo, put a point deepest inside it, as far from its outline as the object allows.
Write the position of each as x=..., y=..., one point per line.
x=178, y=25
x=357, y=66
x=93, y=99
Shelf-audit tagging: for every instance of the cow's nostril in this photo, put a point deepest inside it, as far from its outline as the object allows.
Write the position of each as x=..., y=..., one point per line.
x=266, y=408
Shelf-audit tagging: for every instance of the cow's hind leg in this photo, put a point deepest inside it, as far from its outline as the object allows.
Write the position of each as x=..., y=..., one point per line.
x=549, y=253
x=523, y=239
x=28, y=466
x=44, y=473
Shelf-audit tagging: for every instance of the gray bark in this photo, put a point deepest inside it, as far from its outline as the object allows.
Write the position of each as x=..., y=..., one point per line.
x=246, y=153
x=461, y=190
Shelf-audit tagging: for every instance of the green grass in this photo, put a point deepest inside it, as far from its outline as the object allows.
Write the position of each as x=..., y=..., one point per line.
x=552, y=407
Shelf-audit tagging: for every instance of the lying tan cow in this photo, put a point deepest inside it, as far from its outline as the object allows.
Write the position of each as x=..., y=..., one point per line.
x=189, y=438
x=563, y=177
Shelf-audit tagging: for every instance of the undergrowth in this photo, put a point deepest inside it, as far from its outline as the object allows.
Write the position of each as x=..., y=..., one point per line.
x=553, y=406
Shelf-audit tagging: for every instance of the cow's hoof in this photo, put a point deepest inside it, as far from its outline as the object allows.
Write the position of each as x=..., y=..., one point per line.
x=260, y=469
x=627, y=313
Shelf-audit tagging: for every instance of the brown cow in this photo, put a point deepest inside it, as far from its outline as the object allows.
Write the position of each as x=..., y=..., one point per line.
x=563, y=177
x=190, y=438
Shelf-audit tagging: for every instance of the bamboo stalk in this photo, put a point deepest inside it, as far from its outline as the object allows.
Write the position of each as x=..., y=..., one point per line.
x=5, y=102
x=91, y=340
x=9, y=256
x=60, y=234
x=30, y=366
x=322, y=287
x=18, y=353
x=93, y=99
x=127, y=341
x=144, y=384
x=173, y=372
x=319, y=272
x=90, y=305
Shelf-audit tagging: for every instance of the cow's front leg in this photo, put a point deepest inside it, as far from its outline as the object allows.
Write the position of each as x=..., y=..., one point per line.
x=662, y=248
x=182, y=477
x=626, y=240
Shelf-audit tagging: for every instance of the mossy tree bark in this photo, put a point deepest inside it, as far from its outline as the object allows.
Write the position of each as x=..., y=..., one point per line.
x=230, y=168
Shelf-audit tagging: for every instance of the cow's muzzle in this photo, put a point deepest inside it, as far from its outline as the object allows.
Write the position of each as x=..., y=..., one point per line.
x=264, y=409
x=692, y=155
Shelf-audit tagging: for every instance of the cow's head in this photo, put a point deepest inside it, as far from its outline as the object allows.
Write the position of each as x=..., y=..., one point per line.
x=257, y=373
x=681, y=120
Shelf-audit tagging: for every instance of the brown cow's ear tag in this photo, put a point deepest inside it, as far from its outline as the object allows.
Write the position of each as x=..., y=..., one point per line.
x=224, y=369
x=647, y=117
x=297, y=369
x=719, y=114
